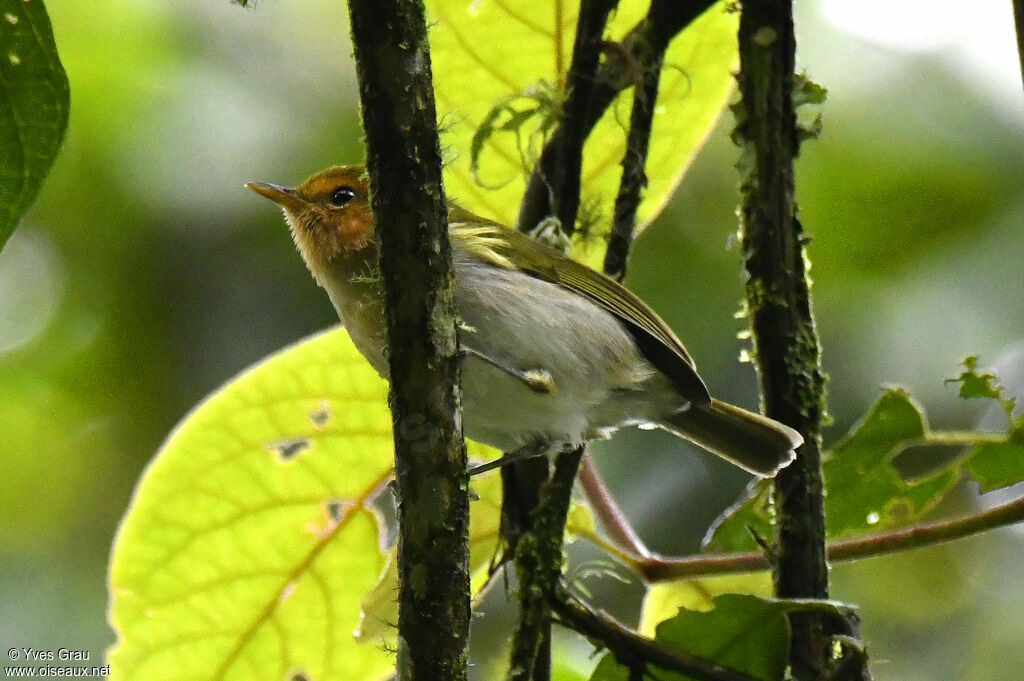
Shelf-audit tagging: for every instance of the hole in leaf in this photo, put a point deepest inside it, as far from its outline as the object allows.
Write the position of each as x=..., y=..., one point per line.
x=385, y=509
x=921, y=460
x=288, y=449
x=336, y=509
x=322, y=415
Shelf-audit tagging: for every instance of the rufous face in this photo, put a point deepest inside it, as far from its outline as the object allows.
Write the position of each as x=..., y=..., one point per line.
x=328, y=214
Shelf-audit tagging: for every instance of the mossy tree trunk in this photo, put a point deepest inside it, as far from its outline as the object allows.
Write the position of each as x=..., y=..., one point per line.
x=786, y=349
x=404, y=162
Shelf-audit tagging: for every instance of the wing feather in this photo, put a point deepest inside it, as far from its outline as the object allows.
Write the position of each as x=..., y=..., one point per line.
x=494, y=243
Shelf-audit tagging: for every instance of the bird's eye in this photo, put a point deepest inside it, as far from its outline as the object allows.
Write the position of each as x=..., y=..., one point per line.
x=341, y=196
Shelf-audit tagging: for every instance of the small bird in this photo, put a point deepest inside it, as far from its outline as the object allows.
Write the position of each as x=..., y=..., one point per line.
x=554, y=353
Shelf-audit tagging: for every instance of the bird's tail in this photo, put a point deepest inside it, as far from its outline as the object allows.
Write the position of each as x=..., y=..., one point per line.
x=751, y=441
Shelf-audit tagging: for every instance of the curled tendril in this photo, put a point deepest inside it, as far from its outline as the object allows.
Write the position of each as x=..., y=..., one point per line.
x=537, y=104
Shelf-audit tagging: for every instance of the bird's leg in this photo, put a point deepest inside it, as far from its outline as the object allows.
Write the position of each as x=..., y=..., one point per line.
x=537, y=380
x=538, y=447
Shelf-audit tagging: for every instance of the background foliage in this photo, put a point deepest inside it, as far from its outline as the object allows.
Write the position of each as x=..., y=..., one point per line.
x=146, y=276
x=33, y=108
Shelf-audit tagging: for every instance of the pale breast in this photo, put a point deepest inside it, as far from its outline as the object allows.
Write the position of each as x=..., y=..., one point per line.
x=528, y=324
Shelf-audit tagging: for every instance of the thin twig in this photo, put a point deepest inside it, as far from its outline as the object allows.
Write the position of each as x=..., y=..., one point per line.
x=633, y=650
x=608, y=512
x=659, y=569
x=634, y=176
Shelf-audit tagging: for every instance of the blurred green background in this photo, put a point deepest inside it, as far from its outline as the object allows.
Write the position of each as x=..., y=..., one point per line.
x=146, y=276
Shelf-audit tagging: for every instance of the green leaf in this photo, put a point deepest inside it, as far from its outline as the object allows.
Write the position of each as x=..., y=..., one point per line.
x=33, y=107
x=866, y=493
x=986, y=385
x=250, y=540
x=999, y=464
x=491, y=63
x=745, y=633
x=664, y=599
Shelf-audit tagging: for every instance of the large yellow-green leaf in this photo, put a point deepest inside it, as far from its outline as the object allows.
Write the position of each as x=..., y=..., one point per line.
x=485, y=52
x=251, y=540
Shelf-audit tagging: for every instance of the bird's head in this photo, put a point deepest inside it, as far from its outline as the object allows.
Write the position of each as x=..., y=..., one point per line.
x=329, y=215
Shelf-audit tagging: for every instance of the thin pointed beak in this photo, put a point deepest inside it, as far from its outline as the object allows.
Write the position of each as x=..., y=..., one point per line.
x=287, y=197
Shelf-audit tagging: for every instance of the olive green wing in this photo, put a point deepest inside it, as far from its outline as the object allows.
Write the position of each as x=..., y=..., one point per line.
x=495, y=243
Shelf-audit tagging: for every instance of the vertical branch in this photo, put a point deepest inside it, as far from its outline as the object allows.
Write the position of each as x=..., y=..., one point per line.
x=554, y=189
x=634, y=178
x=787, y=352
x=539, y=568
x=650, y=36
x=404, y=161
x=521, y=485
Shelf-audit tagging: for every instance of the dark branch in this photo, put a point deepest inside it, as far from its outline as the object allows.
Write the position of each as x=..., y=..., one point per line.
x=404, y=162
x=786, y=349
x=634, y=178
x=539, y=568
x=650, y=36
x=558, y=173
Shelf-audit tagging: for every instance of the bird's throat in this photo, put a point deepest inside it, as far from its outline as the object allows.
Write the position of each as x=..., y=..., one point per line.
x=352, y=282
